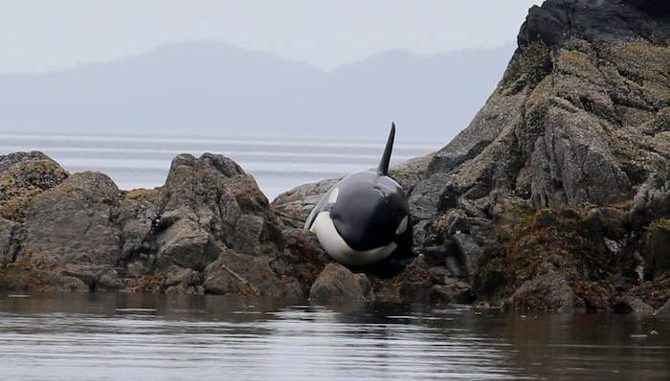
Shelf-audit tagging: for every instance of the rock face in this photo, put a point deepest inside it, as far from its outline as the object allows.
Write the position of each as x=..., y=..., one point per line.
x=338, y=285
x=545, y=177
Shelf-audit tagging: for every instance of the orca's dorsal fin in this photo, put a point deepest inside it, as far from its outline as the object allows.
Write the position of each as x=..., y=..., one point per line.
x=383, y=169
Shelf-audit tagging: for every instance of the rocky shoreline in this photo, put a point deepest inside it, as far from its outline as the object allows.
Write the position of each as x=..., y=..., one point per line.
x=555, y=198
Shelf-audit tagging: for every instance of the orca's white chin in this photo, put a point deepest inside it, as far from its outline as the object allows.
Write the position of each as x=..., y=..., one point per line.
x=339, y=250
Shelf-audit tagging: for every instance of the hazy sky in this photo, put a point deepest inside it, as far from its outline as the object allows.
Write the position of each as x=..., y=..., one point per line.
x=48, y=35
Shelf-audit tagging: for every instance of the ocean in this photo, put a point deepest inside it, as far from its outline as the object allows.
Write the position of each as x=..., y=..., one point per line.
x=177, y=337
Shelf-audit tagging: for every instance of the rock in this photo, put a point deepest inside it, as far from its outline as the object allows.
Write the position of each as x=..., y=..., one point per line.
x=550, y=292
x=664, y=311
x=182, y=281
x=651, y=201
x=422, y=283
x=138, y=215
x=577, y=123
x=303, y=259
x=619, y=20
x=610, y=222
x=217, y=196
x=338, y=285
x=239, y=274
x=630, y=304
x=469, y=252
x=7, y=241
x=71, y=227
x=409, y=173
x=457, y=222
x=294, y=206
x=22, y=177
x=657, y=248
x=550, y=131
x=25, y=277
x=184, y=244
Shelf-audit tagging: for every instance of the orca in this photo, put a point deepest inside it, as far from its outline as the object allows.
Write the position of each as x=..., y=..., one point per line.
x=364, y=218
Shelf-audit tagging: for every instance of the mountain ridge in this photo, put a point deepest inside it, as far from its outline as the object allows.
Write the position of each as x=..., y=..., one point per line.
x=208, y=86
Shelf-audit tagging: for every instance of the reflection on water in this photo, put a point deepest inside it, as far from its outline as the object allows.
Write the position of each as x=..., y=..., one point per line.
x=148, y=337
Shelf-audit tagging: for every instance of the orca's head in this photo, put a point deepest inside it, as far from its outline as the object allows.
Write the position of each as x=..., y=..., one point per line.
x=369, y=210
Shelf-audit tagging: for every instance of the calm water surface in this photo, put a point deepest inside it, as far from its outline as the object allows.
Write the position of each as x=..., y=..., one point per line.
x=147, y=337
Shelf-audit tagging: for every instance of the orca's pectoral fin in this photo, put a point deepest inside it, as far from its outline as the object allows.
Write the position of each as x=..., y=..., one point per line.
x=383, y=168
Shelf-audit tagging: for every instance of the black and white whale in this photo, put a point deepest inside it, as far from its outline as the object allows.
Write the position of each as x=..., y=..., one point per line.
x=364, y=218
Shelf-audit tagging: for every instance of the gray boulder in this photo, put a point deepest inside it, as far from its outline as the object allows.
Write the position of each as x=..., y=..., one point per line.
x=548, y=292
x=212, y=195
x=337, y=285
x=24, y=175
x=294, y=206
x=422, y=282
x=71, y=230
x=240, y=274
x=184, y=243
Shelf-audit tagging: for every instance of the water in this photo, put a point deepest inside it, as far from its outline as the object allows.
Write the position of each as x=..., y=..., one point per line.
x=154, y=337
x=277, y=164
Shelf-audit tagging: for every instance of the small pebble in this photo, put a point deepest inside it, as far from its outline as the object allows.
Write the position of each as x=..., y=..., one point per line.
x=653, y=332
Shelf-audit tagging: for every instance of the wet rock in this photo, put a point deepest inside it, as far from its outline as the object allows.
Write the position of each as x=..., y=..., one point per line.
x=22, y=177
x=631, y=304
x=303, y=259
x=657, y=248
x=423, y=283
x=664, y=311
x=549, y=292
x=239, y=274
x=338, y=285
x=97, y=277
x=25, y=277
x=182, y=281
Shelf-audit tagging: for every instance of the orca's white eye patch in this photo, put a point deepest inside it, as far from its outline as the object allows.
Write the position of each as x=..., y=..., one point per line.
x=402, y=226
x=332, y=197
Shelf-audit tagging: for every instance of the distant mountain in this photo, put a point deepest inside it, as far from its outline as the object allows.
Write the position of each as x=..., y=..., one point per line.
x=209, y=88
